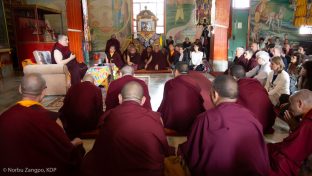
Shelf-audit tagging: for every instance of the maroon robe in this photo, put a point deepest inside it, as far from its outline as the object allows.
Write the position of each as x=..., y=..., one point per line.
x=116, y=59
x=31, y=138
x=226, y=140
x=253, y=96
x=181, y=103
x=205, y=86
x=83, y=106
x=287, y=156
x=131, y=142
x=158, y=59
x=145, y=56
x=241, y=61
x=115, y=87
x=252, y=63
x=173, y=57
x=113, y=42
x=76, y=70
x=135, y=58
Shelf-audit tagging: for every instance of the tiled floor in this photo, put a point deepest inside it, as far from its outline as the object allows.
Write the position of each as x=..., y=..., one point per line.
x=9, y=95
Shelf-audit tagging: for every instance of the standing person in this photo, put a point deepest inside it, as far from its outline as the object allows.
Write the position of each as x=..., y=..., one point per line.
x=187, y=43
x=278, y=80
x=206, y=35
x=215, y=144
x=131, y=142
x=61, y=54
x=31, y=136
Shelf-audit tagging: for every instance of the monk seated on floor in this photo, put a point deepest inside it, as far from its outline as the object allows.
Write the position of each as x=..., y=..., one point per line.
x=158, y=61
x=83, y=106
x=226, y=140
x=287, y=156
x=182, y=101
x=133, y=58
x=115, y=87
x=253, y=96
x=131, y=142
x=31, y=138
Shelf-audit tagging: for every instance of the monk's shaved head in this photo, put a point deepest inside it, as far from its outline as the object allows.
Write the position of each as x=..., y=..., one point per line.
x=33, y=84
x=304, y=95
x=127, y=70
x=237, y=71
x=300, y=102
x=225, y=86
x=89, y=78
x=132, y=91
x=182, y=67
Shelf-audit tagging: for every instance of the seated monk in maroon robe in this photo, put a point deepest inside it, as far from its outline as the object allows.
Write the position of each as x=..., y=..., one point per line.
x=133, y=58
x=83, y=106
x=226, y=140
x=32, y=137
x=205, y=86
x=145, y=56
x=182, y=101
x=115, y=87
x=114, y=57
x=113, y=41
x=131, y=142
x=158, y=61
x=172, y=55
x=287, y=156
x=61, y=54
x=253, y=96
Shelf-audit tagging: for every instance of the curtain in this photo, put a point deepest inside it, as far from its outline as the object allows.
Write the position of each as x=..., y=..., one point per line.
x=75, y=27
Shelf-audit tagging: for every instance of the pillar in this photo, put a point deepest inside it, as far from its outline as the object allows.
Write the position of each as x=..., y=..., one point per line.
x=219, y=41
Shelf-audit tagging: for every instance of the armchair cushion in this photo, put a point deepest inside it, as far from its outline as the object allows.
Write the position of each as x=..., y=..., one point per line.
x=42, y=57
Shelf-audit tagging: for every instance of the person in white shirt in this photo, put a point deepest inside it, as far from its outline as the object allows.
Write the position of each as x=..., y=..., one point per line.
x=261, y=71
x=278, y=80
x=196, y=56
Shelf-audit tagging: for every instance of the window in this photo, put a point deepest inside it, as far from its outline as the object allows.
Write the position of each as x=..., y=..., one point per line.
x=241, y=4
x=305, y=30
x=155, y=6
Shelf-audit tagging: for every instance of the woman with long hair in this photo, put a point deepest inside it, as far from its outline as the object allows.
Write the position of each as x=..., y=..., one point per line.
x=305, y=79
x=293, y=70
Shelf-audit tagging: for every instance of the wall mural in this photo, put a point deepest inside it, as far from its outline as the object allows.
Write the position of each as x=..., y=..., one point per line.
x=180, y=20
x=273, y=18
x=102, y=26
